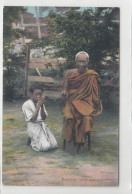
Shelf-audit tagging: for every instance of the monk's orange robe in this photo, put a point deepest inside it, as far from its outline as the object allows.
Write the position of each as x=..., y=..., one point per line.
x=82, y=105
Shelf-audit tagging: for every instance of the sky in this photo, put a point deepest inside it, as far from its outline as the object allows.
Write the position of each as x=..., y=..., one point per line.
x=45, y=13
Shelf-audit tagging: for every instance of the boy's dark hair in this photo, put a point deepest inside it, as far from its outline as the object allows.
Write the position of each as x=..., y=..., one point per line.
x=36, y=87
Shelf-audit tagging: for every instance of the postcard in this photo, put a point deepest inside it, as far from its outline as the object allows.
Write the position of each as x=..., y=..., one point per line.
x=65, y=97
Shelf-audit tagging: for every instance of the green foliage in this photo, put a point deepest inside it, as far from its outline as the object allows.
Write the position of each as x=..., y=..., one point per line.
x=94, y=31
x=13, y=63
x=11, y=14
x=13, y=74
x=109, y=75
x=12, y=77
x=39, y=43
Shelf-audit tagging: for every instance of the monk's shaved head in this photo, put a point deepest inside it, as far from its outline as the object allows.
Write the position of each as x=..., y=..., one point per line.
x=82, y=52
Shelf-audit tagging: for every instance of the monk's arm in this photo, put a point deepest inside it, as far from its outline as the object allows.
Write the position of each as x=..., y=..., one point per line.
x=65, y=84
x=68, y=74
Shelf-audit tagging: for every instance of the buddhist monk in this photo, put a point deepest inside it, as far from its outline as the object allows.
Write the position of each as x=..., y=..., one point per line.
x=81, y=102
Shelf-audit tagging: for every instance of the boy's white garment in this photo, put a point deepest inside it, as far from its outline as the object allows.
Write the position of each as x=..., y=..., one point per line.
x=41, y=137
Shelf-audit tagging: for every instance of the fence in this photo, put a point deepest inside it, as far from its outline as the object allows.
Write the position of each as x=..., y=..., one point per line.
x=52, y=86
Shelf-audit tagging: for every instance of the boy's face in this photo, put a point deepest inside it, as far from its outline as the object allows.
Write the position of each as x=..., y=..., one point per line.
x=36, y=95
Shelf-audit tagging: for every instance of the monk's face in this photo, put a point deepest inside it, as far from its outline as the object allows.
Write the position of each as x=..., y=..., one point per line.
x=36, y=95
x=81, y=63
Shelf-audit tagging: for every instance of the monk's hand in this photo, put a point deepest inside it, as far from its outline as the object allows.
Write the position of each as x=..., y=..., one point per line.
x=64, y=97
x=64, y=93
x=41, y=101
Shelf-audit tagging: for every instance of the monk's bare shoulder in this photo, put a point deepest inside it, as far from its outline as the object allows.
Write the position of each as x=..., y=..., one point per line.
x=71, y=72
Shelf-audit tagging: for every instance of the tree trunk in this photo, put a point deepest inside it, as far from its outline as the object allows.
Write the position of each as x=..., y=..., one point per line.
x=38, y=23
x=26, y=70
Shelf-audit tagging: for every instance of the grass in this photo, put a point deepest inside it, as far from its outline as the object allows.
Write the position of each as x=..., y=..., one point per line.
x=12, y=123
x=17, y=154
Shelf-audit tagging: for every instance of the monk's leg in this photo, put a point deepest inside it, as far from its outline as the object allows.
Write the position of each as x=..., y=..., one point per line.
x=81, y=148
x=68, y=134
x=79, y=135
x=88, y=125
x=89, y=140
x=75, y=148
x=78, y=148
x=64, y=144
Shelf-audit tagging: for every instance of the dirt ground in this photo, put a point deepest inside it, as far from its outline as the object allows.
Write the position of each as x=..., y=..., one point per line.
x=24, y=166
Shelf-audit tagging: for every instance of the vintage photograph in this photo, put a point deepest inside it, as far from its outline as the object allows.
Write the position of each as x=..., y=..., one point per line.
x=61, y=75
